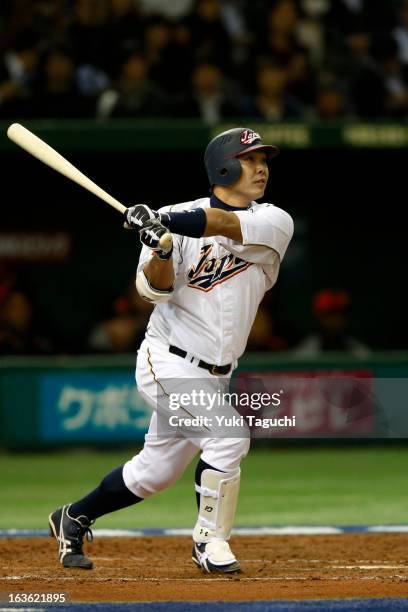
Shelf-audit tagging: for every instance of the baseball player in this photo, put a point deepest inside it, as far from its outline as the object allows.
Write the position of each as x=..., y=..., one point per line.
x=206, y=287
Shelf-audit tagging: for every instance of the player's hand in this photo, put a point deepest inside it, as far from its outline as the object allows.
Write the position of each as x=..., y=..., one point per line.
x=150, y=237
x=137, y=216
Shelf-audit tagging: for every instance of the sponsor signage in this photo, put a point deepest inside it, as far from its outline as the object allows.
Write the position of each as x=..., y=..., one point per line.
x=91, y=407
x=314, y=404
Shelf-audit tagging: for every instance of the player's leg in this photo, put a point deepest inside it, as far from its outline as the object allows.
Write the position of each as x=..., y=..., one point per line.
x=71, y=523
x=160, y=463
x=164, y=456
x=217, y=481
x=161, y=376
x=218, y=471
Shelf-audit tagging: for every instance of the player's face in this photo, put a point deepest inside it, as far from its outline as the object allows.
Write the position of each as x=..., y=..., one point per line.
x=254, y=177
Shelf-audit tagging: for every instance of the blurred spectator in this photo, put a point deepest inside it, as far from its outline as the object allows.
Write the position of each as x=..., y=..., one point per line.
x=135, y=95
x=331, y=102
x=350, y=39
x=175, y=9
x=401, y=34
x=178, y=61
x=272, y=102
x=331, y=311
x=210, y=40
x=394, y=76
x=302, y=82
x=124, y=32
x=17, y=74
x=279, y=45
x=367, y=87
x=17, y=17
x=210, y=99
x=50, y=19
x=91, y=81
x=45, y=19
x=124, y=330
x=345, y=16
x=57, y=93
x=381, y=88
x=280, y=40
x=89, y=33
x=18, y=333
x=310, y=29
x=157, y=38
x=233, y=18
x=266, y=334
x=351, y=28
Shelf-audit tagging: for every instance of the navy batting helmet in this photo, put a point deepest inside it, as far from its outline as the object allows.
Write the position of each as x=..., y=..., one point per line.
x=220, y=158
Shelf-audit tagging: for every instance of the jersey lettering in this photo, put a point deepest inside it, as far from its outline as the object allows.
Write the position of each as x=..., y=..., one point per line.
x=210, y=272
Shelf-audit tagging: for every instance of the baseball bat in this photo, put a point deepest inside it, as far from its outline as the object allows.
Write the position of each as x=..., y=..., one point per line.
x=49, y=156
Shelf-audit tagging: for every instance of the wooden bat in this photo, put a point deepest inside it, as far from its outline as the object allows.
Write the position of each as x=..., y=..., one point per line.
x=42, y=151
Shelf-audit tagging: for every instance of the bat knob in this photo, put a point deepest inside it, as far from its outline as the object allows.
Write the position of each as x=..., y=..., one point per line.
x=166, y=242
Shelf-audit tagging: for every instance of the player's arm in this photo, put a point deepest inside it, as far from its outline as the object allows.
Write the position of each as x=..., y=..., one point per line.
x=222, y=223
x=155, y=280
x=203, y=222
x=160, y=273
x=193, y=223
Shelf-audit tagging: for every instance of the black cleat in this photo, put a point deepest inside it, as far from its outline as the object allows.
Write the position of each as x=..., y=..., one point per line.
x=218, y=561
x=69, y=533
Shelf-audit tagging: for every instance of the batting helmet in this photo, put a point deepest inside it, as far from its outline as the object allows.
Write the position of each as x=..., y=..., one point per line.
x=220, y=158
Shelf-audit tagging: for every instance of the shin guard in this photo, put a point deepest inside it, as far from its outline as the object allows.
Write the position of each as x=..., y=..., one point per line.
x=218, y=502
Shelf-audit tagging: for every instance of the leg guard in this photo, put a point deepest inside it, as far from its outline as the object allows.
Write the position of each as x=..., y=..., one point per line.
x=218, y=501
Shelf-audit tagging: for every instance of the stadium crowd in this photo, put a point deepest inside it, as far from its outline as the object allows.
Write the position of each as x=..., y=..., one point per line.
x=267, y=60
x=23, y=331
x=210, y=59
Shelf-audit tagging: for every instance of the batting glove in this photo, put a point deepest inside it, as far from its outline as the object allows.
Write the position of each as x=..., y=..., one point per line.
x=137, y=216
x=150, y=237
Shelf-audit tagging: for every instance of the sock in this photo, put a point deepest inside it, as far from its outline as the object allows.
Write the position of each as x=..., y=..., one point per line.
x=111, y=494
x=201, y=466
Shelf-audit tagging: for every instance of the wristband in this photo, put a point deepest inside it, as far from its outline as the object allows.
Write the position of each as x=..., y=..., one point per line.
x=191, y=223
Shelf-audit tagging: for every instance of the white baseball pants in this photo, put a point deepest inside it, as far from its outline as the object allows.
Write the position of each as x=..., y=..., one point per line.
x=164, y=458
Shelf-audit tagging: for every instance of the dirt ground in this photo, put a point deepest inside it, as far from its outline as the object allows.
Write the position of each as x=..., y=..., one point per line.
x=160, y=569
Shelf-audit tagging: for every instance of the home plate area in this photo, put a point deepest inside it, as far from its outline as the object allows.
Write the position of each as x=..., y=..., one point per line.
x=348, y=570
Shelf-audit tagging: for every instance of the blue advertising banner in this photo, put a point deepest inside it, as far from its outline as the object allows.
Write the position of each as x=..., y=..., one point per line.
x=91, y=407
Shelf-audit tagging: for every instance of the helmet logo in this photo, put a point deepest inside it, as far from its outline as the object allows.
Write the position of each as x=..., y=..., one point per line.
x=248, y=137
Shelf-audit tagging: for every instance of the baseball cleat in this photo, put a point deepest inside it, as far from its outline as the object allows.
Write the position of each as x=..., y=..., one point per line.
x=69, y=533
x=215, y=557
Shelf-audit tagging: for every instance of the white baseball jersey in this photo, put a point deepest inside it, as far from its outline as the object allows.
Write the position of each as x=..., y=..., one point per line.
x=219, y=283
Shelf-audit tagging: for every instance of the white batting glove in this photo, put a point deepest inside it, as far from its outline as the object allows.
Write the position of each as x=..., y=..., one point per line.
x=137, y=216
x=150, y=237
